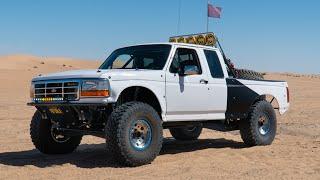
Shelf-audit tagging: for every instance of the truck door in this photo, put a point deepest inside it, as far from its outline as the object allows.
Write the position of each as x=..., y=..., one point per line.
x=216, y=84
x=187, y=96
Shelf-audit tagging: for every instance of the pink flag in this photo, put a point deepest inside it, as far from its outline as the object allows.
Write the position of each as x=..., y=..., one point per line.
x=214, y=11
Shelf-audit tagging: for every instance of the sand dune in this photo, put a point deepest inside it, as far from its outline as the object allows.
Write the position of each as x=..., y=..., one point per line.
x=28, y=62
x=295, y=153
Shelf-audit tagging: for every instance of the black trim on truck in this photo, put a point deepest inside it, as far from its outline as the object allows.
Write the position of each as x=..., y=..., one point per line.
x=239, y=100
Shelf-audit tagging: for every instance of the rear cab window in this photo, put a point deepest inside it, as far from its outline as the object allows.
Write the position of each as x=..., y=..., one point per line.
x=214, y=64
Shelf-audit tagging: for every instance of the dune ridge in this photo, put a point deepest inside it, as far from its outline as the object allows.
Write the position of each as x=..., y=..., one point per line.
x=22, y=62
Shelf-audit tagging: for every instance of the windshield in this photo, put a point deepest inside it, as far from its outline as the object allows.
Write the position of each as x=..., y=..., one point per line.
x=138, y=57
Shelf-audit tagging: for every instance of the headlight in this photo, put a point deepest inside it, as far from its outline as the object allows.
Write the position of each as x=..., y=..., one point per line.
x=32, y=90
x=95, y=88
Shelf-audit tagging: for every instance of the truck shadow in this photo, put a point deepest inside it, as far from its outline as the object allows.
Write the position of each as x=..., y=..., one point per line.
x=95, y=155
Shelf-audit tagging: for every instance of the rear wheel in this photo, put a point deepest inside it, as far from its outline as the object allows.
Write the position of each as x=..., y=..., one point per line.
x=48, y=140
x=134, y=134
x=186, y=133
x=260, y=126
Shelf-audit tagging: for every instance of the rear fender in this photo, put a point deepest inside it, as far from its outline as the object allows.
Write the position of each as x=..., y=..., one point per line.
x=242, y=94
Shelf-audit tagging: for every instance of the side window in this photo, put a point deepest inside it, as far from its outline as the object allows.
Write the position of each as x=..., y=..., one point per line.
x=214, y=64
x=123, y=61
x=147, y=62
x=185, y=57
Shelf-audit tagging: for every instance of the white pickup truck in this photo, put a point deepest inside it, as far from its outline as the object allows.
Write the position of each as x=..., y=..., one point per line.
x=141, y=90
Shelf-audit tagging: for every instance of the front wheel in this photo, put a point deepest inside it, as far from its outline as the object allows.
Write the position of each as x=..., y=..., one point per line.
x=261, y=125
x=186, y=133
x=134, y=134
x=48, y=140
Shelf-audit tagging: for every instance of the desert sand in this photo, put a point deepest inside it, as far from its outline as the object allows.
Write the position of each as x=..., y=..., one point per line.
x=295, y=153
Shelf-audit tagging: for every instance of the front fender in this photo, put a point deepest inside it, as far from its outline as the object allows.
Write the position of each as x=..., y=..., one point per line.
x=157, y=87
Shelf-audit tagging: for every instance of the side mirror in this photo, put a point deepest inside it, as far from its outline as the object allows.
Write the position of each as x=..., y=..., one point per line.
x=181, y=71
x=188, y=70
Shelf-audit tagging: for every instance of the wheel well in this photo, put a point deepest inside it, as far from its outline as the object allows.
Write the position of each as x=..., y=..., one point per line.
x=273, y=100
x=142, y=94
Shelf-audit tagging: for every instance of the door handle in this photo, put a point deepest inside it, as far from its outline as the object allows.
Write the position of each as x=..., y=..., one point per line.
x=203, y=81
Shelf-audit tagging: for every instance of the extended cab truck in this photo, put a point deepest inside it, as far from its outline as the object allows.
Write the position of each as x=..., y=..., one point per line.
x=140, y=90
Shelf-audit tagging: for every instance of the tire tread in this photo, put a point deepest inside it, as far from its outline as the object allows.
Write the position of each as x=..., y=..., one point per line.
x=116, y=127
x=249, y=134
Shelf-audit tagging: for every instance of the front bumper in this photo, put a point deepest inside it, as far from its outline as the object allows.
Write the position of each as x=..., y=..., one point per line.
x=81, y=102
x=66, y=104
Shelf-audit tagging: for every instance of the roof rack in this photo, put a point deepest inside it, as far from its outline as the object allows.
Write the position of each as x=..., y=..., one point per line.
x=206, y=39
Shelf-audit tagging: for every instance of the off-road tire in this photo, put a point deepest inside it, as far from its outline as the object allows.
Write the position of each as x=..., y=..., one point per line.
x=117, y=134
x=249, y=128
x=186, y=133
x=40, y=132
x=249, y=74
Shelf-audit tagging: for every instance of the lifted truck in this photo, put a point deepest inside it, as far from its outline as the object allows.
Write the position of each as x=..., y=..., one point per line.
x=141, y=90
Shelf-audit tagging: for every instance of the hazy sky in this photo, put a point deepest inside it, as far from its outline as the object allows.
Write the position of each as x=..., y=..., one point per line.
x=266, y=35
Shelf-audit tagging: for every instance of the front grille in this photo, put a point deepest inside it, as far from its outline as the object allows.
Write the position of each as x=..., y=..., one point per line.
x=66, y=90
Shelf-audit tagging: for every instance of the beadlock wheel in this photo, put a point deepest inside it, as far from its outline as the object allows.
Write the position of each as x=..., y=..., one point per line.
x=186, y=133
x=134, y=134
x=48, y=140
x=140, y=134
x=58, y=137
x=264, y=125
x=260, y=126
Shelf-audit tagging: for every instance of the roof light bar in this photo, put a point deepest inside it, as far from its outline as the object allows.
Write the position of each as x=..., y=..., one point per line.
x=206, y=39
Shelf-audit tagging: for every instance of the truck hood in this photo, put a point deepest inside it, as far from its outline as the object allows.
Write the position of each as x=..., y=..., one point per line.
x=112, y=74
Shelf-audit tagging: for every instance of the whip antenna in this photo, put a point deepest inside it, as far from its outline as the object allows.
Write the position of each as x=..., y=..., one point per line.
x=179, y=17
